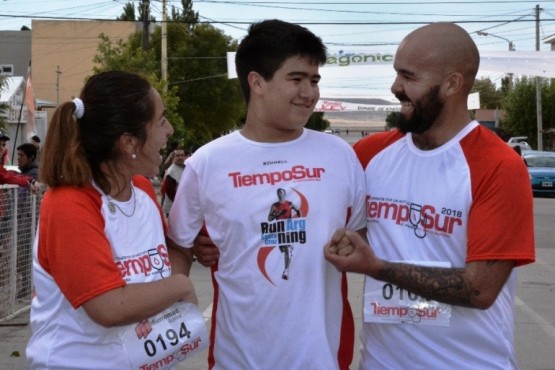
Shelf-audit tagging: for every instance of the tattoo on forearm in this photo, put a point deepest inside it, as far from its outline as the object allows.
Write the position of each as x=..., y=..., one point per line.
x=445, y=285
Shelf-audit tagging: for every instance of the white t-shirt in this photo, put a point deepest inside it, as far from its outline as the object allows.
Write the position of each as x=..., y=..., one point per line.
x=468, y=200
x=279, y=304
x=85, y=248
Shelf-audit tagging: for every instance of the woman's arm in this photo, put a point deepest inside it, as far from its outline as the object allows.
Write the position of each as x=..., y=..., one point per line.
x=135, y=302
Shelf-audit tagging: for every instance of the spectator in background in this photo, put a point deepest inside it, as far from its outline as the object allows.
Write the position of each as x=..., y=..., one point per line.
x=11, y=177
x=26, y=160
x=166, y=164
x=26, y=155
x=4, y=155
x=35, y=140
x=172, y=178
x=6, y=207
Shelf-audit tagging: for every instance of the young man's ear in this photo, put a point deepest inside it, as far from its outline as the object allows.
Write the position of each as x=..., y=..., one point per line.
x=255, y=81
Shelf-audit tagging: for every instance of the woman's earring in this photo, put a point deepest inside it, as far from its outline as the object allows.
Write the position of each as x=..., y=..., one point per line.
x=134, y=156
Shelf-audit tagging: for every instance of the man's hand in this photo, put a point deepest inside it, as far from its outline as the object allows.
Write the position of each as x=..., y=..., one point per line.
x=348, y=251
x=206, y=252
x=35, y=187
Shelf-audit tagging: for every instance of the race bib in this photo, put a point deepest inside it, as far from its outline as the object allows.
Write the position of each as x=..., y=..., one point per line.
x=387, y=303
x=162, y=341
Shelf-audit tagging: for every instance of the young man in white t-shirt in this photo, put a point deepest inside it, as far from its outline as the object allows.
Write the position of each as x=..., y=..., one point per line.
x=278, y=304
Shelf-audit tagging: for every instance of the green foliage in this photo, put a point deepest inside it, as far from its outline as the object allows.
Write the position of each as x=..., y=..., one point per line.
x=392, y=119
x=210, y=103
x=187, y=17
x=128, y=56
x=202, y=103
x=128, y=13
x=317, y=122
x=490, y=97
x=521, y=119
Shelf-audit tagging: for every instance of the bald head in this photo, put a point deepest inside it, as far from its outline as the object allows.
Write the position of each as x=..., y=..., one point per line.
x=445, y=47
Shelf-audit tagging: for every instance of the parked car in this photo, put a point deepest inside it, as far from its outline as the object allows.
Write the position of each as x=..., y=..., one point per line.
x=521, y=141
x=541, y=168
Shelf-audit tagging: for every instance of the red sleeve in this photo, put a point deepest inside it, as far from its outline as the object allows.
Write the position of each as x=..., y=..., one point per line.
x=73, y=248
x=9, y=177
x=369, y=146
x=171, y=187
x=501, y=221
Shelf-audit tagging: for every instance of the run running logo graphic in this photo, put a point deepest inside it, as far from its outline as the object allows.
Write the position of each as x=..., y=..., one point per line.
x=285, y=229
x=154, y=260
x=423, y=219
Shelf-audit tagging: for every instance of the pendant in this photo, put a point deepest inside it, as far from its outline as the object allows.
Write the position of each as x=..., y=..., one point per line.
x=112, y=207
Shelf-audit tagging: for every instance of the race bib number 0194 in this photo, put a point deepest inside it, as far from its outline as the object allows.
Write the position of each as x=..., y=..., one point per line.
x=388, y=303
x=162, y=341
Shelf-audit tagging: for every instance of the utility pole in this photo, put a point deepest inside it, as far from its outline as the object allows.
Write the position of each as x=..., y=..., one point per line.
x=58, y=73
x=164, y=46
x=146, y=16
x=539, y=84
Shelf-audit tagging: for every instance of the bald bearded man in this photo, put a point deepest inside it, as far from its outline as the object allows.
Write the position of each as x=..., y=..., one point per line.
x=449, y=217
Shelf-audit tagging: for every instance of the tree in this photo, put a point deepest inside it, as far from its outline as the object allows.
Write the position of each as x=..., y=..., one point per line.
x=187, y=17
x=520, y=107
x=490, y=96
x=128, y=56
x=392, y=119
x=317, y=122
x=128, y=13
x=201, y=102
x=210, y=103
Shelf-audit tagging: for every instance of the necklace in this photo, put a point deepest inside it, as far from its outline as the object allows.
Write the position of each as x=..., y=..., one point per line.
x=112, y=205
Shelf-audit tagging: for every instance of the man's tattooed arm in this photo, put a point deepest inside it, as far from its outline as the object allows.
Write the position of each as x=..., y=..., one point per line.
x=476, y=285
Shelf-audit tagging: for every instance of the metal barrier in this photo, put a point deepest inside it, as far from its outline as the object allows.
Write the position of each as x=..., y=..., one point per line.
x=19, y=211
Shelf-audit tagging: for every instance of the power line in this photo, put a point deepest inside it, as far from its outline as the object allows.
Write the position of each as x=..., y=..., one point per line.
x=368, y=3
x=198, y=79
x=316, y=23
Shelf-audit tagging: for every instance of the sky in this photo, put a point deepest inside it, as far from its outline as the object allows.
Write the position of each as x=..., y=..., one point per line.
x=344, y=26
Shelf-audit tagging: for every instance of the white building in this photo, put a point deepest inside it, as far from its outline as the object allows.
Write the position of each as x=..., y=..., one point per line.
x=16, y=114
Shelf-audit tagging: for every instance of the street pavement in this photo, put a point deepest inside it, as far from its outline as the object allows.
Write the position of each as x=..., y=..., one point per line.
x=535, y=303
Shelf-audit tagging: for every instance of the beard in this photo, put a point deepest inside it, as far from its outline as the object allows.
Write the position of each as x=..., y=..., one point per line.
x=425, y=112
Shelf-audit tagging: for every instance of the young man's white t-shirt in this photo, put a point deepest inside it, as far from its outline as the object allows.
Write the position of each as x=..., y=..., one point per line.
x=278, y=303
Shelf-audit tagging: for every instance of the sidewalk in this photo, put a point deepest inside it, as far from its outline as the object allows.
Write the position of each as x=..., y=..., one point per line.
x=14, y=333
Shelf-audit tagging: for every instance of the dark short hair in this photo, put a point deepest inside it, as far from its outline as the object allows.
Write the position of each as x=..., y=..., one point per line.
x=269, y=43
x=29, y=149
x=35, y=138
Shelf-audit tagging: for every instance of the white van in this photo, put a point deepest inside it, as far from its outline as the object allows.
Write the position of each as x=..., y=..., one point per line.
x=521, y=141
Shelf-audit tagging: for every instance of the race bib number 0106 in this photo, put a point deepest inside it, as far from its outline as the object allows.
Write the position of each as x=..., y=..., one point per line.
x=388, y=303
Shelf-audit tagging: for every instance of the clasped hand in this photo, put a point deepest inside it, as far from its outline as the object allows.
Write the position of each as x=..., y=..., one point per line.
x=348, y=251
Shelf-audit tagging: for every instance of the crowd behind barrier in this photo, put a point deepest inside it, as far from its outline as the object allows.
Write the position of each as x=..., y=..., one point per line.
x=19, y=211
